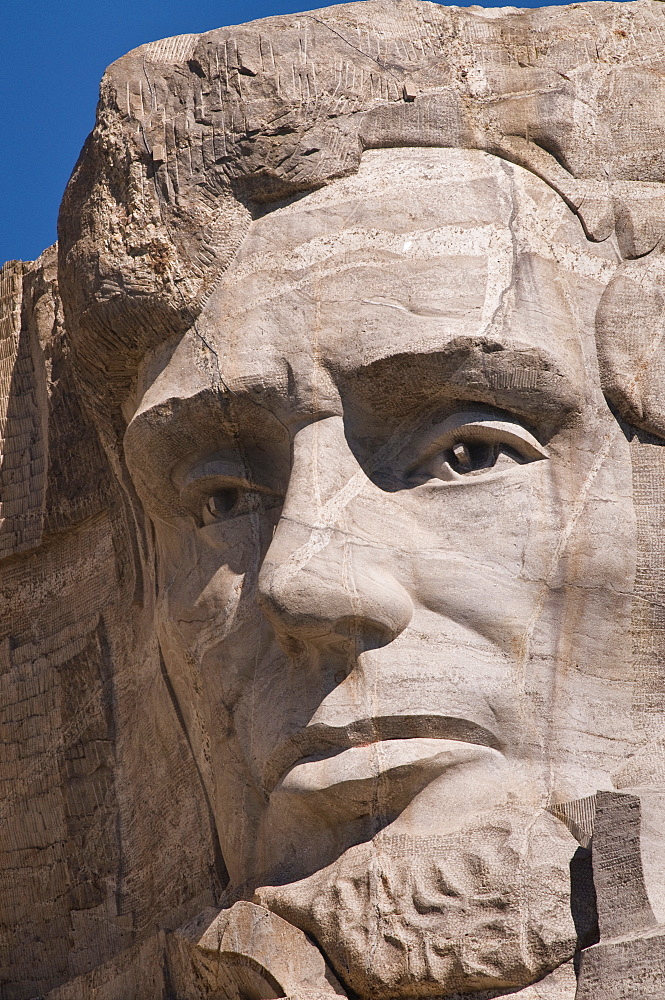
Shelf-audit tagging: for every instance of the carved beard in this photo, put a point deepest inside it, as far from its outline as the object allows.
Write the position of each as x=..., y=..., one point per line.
x=484, y=908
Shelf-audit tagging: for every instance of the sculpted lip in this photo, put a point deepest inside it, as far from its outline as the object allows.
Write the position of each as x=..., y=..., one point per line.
x=319, y=740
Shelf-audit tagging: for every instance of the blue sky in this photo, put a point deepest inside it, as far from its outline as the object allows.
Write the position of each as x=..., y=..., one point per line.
x=53, y=55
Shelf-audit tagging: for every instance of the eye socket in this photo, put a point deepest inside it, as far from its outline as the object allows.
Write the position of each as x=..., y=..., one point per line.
x=220, y=505
x=213, y=493
x=229, y=502
x=470, y=444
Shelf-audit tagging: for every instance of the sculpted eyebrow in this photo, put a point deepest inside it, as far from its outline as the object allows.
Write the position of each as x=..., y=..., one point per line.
x=519, y=377
x=187, y=429
x=179, y=426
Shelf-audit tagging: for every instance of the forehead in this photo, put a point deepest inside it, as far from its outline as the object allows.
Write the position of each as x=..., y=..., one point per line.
x=418, y=249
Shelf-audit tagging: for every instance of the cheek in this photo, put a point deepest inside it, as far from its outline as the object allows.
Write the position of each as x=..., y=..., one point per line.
x=494, y=555
x=596, y=505
x=478, y=541
x=207, y=581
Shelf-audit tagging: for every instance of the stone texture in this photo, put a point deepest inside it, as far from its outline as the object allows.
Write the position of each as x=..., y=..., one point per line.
x=332, y=517
x=247, y=950
x=88, y=745
x=628, y=961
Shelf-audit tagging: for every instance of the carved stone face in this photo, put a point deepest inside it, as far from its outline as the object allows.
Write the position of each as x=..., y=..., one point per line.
x=395, y=545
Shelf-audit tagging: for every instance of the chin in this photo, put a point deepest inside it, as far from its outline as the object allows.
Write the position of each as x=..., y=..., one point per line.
x=486, y=908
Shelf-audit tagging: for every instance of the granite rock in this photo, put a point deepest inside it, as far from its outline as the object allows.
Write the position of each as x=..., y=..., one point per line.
x=332, y=515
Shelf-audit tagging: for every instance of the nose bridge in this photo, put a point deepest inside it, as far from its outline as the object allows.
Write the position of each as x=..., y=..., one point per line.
x=321, y=579
x=323, y=468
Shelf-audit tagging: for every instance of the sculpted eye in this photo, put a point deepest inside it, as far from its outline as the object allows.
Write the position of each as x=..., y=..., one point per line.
x=220, y=505
x=234, y=501
x=470, y=444
x=214, y=492
x=223, y=487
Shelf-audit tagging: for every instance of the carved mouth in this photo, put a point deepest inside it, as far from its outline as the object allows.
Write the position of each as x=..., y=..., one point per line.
x=319, y=741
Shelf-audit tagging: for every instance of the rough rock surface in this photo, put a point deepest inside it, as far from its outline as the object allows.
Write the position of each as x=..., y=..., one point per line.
x=332, y=496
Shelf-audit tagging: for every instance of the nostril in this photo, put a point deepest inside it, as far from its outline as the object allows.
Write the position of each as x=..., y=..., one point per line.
x=364, y=633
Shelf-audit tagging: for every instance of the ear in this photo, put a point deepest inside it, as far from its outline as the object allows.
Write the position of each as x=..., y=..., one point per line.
x=630, y=337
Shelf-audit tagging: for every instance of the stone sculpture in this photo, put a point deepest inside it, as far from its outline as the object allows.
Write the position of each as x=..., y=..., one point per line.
x=333, y=513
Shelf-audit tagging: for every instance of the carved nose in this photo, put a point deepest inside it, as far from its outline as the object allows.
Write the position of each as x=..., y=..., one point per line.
x=321, y=584
x=330, y=595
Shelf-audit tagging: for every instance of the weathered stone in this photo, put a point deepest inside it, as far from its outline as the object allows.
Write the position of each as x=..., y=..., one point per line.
x=247, y=950
x=628, y=962
x=333, y=506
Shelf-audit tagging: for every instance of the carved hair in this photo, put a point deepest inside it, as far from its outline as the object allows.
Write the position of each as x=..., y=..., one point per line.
x=197, y=134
